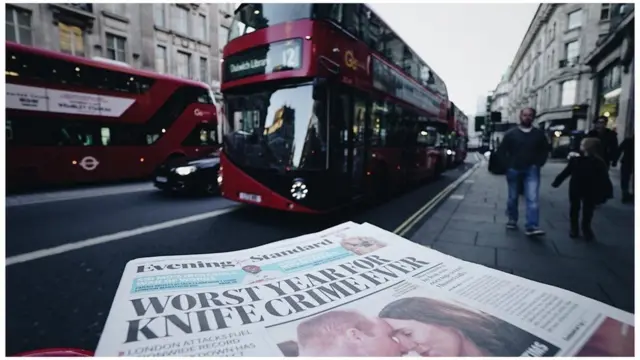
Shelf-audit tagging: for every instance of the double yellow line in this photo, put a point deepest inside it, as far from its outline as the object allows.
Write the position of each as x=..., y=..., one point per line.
x=424, y=210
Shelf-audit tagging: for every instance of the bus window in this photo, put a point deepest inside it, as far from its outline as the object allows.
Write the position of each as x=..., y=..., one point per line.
x=77, y=134
x=379, y=123
x=252, y=17
x=202, y=135
x=105, y=135
x=9, y=130
x=61, y=72
x=427, y=137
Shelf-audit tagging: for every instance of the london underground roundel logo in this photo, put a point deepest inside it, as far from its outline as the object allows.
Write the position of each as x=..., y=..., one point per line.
x=89, y=163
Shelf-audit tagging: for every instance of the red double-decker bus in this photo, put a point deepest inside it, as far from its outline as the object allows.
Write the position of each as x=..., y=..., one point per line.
x=326, y=106
x=73, y=120
x=462, y=130
x=458, y=139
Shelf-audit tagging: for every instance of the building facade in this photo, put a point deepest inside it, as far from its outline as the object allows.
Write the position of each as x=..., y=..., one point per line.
x=500, y=98
x=613, y=80
x=185, y=40
x=550, y=72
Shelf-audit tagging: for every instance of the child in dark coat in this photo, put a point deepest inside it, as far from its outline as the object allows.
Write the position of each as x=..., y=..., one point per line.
x=589, y=185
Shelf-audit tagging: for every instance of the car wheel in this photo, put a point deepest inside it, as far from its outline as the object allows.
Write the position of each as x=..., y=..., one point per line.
x=211, y=189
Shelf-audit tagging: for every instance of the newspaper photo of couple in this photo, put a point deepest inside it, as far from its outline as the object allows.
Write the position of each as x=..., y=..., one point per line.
x=411, y=326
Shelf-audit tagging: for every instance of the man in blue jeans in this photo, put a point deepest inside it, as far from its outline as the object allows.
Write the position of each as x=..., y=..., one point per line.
x=524, y=150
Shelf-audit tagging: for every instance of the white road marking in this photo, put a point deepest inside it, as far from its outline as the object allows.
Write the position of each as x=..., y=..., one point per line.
x=413, y=219
x=38, y=254
x=31, y=199
x=456, y=197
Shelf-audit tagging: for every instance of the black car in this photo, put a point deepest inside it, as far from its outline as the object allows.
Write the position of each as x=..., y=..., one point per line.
x=189, y=175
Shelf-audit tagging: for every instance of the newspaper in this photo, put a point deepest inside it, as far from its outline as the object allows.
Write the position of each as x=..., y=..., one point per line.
x=351, y=290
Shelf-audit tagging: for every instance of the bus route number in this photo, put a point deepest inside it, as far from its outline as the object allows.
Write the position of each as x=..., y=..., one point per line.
x=291, y=57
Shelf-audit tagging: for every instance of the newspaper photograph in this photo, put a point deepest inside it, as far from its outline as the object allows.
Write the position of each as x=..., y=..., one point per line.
x=401, y=323
x=352, y=290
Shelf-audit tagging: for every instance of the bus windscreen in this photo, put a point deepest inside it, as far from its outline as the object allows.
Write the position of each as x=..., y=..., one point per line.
x=251, y=17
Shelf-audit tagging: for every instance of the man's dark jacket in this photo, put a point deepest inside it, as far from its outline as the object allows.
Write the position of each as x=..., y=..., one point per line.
x=626, y=151
x=609, y=141
x=519, y=150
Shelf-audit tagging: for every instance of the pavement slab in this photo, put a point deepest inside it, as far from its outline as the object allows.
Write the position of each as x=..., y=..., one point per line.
x=470, y=225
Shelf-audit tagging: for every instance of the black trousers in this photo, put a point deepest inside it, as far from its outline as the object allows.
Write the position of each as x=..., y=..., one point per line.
x=626, y=169
x=588, y=208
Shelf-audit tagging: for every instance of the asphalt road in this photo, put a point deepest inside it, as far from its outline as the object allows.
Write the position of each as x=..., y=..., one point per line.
x=62, y=299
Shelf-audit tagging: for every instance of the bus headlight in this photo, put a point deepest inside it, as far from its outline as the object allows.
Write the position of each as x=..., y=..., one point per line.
x=185, y=170
x=220, y=176
x=299, y=189
x=449, y=152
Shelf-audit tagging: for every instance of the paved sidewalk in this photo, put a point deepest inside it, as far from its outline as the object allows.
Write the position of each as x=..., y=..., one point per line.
x=470, y=225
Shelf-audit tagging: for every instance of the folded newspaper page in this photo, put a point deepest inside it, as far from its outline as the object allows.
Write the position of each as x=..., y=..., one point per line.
x=351, y=290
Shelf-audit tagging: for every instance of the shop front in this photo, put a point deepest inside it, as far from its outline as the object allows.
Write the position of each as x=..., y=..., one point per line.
x=609, y=91
x=612, y=63
x=558, y=135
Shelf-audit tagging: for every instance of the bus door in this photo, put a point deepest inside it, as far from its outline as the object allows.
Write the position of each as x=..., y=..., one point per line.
x=350, y=111
x=359, y=145
x=423, y=155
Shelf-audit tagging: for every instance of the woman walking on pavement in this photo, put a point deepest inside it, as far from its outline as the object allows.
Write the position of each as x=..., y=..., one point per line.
x=589, y=185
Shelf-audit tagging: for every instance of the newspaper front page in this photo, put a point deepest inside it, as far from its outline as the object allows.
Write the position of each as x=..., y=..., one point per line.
x=351, y=290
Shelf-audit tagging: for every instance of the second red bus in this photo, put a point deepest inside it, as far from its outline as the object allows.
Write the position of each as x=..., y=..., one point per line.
x=72, y=120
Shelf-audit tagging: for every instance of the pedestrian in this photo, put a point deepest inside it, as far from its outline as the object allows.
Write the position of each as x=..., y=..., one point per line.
x=589, y=185
x=524, y=149
x=626, y=166
x=608, y=140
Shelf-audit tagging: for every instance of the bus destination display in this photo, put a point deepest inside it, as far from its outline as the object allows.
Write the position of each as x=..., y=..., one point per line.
x=278, y=56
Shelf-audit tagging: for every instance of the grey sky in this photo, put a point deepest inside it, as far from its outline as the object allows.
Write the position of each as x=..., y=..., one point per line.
x=469, y=46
